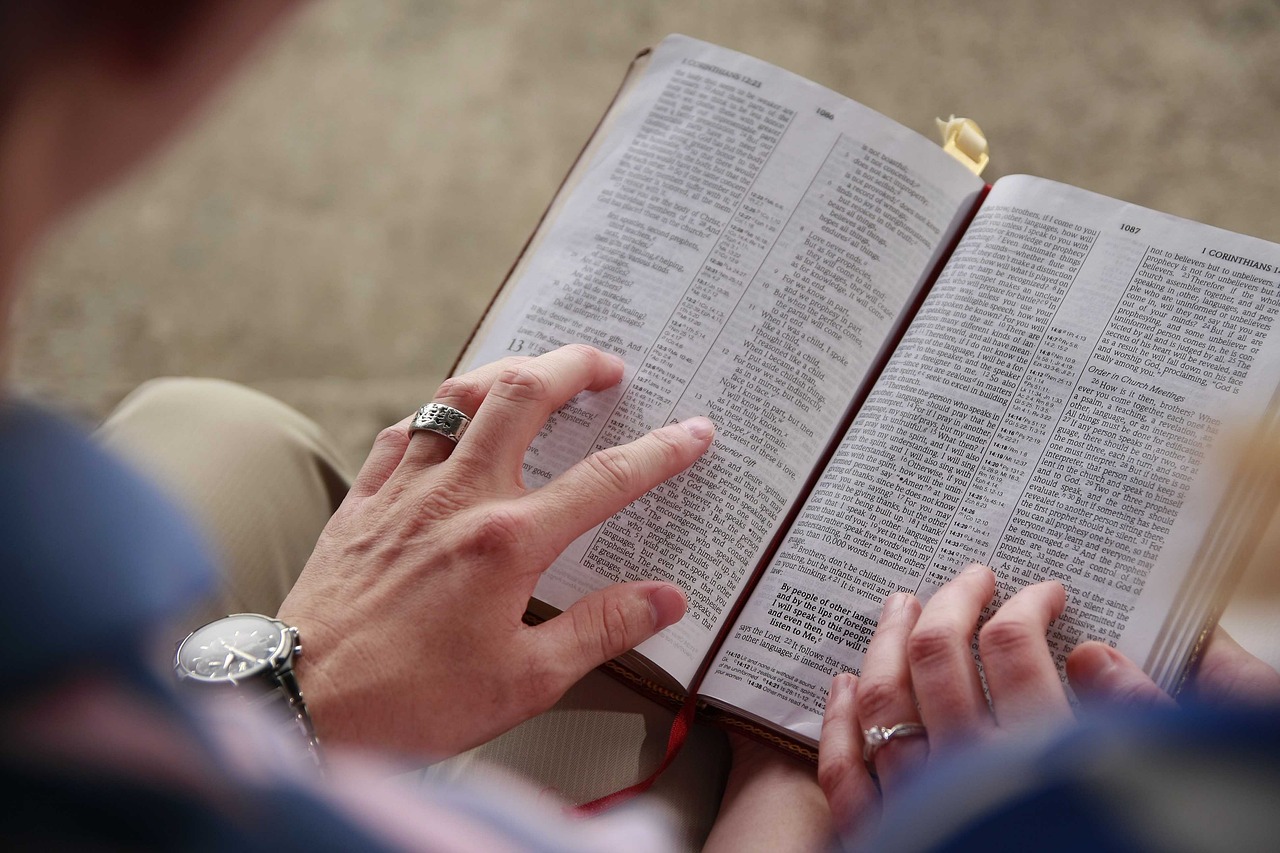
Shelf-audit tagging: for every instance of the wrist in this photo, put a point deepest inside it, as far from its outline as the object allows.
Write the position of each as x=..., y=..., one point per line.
x=313, y=679
x=755, y=760
x=249, y=659
x=338, y=681
x=771, y=801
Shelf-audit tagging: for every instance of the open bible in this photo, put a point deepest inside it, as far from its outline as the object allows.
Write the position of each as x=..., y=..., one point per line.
x=909, y=371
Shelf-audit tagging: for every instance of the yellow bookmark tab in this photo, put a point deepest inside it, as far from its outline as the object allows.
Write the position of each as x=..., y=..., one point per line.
x=965, y=141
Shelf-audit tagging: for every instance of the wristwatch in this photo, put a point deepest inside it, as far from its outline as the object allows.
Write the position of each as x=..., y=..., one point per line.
x=252, y=655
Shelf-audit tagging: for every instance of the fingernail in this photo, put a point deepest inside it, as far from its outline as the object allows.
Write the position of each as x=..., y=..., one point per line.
x=893, y=604
x=668, y=605
x=1093, y=678
x=975, y=568
x=1113, y=659
x=700, y=428
x=617, y=361
x=840, y=686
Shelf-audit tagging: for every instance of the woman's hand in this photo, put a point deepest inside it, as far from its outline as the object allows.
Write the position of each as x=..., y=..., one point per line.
x=919, y=668
x=1225, y=675
x=410, y=609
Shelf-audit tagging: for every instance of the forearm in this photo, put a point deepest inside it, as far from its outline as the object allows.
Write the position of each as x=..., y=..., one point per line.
x=771, y=802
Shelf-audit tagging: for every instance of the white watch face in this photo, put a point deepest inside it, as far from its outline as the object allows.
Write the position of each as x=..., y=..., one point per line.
x=231, y=649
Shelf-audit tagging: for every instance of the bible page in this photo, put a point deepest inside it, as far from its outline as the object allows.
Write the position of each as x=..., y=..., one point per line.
x=1047, y=413
x=746, y=241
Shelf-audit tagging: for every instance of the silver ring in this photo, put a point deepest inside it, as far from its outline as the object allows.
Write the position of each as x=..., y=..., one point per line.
x=440, y=419
x=877, y=736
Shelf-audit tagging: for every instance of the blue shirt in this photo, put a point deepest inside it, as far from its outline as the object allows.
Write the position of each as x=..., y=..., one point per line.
x=1176, y=779
x=93, y=555
x=95, y=560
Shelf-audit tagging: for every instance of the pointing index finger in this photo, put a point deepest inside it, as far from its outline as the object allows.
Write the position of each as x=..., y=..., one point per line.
x=606, y=481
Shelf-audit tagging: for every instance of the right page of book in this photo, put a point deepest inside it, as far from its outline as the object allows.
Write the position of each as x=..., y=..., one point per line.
x=1049, y=413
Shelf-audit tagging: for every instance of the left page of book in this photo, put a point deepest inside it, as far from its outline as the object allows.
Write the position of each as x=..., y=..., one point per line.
x=747, y=241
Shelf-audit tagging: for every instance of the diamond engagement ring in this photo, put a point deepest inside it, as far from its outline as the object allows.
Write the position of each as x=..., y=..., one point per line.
x=877, y=736
x=440, y=419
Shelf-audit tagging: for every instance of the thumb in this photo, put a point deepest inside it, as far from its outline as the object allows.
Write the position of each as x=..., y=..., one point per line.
x=1227, y=674
x=606, y=623
x=1100, y=675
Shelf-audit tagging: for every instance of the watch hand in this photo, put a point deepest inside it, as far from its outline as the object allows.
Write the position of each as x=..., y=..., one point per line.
x=240, y=654
x=226, y=663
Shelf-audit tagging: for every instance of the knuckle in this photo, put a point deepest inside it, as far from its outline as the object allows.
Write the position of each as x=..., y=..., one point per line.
x=932, y=644
x=465, y=388
x=502, y=529
x=508, y=534
x=438, y=503
x=670, y=450
x=603, y=630
x=831, y=776
x=523, y=383
x=875, y=695
x=1005, y=636
x=615, y=628
x=614, y=467
x=391, y=436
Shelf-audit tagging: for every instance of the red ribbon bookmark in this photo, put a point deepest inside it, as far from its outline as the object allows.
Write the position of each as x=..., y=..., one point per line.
x=675, y=741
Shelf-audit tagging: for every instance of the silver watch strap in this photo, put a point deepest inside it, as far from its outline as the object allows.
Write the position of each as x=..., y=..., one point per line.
x=292, y=693
x=267, y=688
x=287, y=691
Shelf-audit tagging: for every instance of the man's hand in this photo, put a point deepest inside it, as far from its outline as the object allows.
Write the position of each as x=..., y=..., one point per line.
x=410, y=609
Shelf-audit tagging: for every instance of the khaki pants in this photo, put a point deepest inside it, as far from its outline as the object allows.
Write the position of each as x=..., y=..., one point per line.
x=262, y=481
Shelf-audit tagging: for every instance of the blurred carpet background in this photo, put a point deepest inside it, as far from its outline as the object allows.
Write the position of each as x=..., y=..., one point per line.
x=333, y=227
